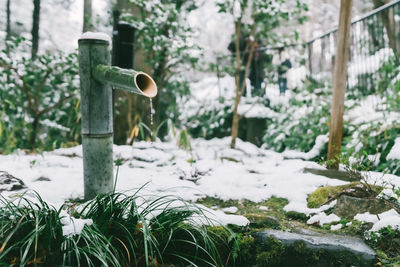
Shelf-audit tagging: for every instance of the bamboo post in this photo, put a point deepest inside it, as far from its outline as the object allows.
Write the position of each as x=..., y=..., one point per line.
x=97, y=78
x=339, y=82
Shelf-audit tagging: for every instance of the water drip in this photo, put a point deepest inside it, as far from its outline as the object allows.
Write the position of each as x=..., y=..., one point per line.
x=152, y=111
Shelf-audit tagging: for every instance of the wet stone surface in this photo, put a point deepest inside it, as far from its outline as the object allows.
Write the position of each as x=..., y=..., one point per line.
x=308, y=248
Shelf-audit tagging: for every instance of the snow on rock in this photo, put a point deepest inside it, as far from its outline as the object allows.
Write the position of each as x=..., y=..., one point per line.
x=232, y=209
x=395, y=151
x=255, y=110
x=336, y=227
x=320, y=142
x=390, y=217
x=387, y=218
x=218, y=217
x=366, y=217
x=322, y=218
x=9, y=182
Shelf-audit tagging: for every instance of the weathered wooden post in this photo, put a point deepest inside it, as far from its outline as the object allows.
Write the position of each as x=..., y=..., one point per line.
x=97, y=78
x=339, y=84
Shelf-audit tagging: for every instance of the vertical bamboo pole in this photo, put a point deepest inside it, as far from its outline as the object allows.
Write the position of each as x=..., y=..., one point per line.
x=97, y=123
x=339, y=82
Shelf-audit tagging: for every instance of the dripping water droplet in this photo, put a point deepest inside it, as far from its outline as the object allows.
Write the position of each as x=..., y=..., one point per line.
x=152, y=111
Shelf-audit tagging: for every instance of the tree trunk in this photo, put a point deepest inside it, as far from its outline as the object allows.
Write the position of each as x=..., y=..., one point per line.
x=339, y=86
x=235, y=122
x=33, y=133
x=240, y=88
x=8, y=26
x=35, y=28
x=87, y=16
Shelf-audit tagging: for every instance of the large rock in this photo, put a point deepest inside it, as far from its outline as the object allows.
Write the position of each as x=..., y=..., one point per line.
x=309, y=248
x=10, y=183
x=347, y=206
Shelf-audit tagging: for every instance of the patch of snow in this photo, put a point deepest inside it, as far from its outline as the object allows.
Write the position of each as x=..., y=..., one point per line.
x=232, y=209
x=395, y=151
x=296, y=76
x=73, y=226
x=75, y=151
x=160, y=166
x=320, y=142
x=387, y=193
x=322, y=218
x=264, y=208
x=387, y=218
x=237, y=10
x=366, y=217
x=95, y=36
x=255, y=110
x=218, y=217
x=327, y=206
x=336, y=227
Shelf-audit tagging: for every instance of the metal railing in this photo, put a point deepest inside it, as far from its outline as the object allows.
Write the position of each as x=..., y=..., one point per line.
x=373, y=53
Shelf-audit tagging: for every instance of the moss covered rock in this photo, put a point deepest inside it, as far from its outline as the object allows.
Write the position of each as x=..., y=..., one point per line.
x=279, y=248
x=347, y=207
x=325, y=194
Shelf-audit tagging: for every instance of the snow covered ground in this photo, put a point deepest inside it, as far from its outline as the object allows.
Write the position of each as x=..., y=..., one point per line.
x=211, y=169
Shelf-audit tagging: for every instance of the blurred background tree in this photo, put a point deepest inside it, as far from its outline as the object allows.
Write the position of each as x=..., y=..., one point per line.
x=164, y=49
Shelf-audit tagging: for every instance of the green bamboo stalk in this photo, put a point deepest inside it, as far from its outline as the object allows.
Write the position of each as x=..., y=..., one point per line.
x=129, y=80
x=97, y=78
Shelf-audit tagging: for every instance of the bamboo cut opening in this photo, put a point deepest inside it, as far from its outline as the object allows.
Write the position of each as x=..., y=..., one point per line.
x=146, y=84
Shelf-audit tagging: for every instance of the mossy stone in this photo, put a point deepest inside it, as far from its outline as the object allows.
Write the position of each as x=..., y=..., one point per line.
x=347, y=207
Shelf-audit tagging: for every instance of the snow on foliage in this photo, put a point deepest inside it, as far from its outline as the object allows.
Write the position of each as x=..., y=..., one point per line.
x=395, y=151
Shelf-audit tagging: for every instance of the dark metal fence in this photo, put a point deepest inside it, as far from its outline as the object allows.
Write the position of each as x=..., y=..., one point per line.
x=373, y=58
x=373, y=55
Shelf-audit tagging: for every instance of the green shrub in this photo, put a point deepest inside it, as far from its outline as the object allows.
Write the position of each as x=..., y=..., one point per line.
x=298, y=125
x=40, y=98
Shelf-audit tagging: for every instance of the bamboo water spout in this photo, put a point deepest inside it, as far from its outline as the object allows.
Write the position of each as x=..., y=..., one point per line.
x=130, y=80
x=97, y=79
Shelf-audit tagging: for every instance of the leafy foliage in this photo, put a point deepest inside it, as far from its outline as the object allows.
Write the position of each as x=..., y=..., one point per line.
x=167, y=41
x=41, y=101
x=264, y=16
x=212, y=122
x=126, y=231
x=299, y=124
x=386, y=240
x=254, y=22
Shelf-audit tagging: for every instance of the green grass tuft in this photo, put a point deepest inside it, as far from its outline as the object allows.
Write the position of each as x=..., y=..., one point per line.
x=126, y=231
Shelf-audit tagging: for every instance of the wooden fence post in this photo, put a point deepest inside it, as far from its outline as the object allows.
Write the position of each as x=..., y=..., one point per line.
x=339, y=82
